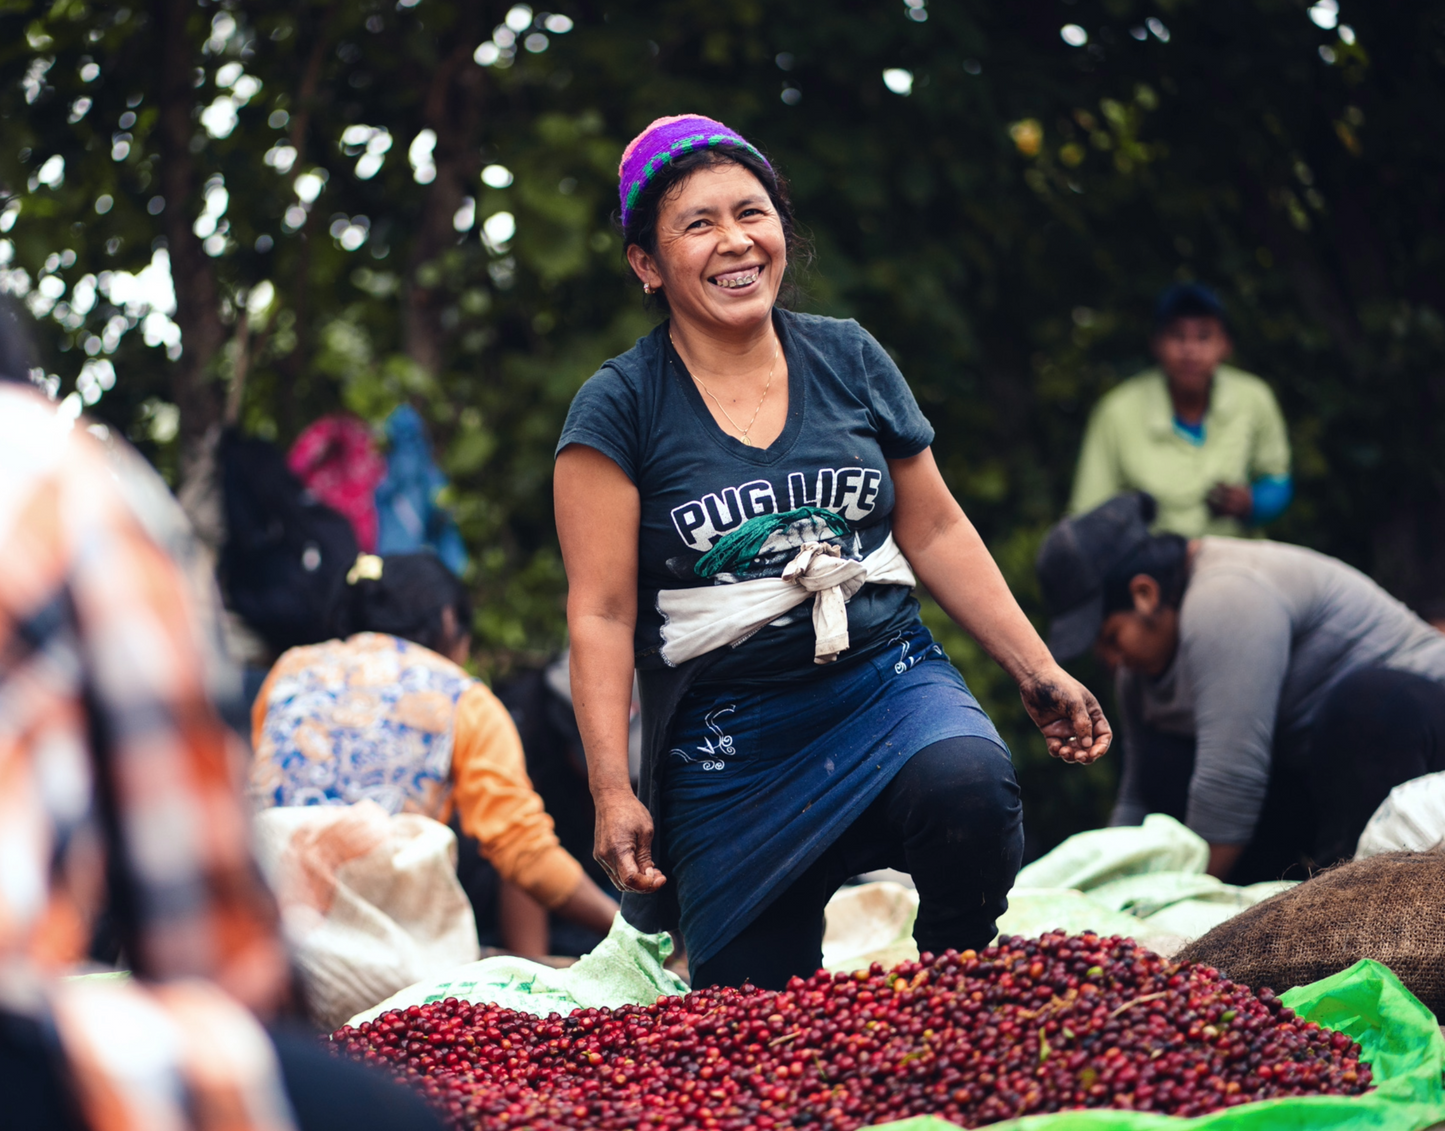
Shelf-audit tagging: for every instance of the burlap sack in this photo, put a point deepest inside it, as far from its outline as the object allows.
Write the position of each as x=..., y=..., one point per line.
x=1390, y=908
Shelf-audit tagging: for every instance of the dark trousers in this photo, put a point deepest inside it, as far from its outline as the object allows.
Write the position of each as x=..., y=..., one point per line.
x=327, y=1094
x=1375, y=729
x=951, y=817
x=1285, y=833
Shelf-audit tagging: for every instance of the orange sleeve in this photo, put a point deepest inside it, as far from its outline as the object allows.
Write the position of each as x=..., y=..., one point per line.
x=498, y=806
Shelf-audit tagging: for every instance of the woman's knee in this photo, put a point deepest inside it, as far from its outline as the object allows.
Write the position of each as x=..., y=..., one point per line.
x=965, y=840
x=966, y=783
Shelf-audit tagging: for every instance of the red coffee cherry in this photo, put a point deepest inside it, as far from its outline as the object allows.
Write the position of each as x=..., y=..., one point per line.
x=1023, y=1027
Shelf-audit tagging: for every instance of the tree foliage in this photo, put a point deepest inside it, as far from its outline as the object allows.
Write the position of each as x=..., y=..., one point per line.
x=361, y=203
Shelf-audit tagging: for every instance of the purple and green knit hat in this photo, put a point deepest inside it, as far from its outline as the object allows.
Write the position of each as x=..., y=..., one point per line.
x=651, y=150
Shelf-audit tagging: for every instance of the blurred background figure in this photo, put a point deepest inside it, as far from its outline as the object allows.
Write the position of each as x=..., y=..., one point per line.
x=1205, y=439
x=1269, y=696
x=385, y=712
x=408, y=497
x=336, y=457
x=290, y=526
x=540, y=703
x=118, y=782
x=285, y=554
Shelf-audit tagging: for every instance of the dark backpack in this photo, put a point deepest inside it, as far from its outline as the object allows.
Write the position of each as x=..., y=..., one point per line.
x=286, y=556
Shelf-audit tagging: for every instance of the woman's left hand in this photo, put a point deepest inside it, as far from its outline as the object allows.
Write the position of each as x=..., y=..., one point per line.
x=1068, y=716
x=955, y=566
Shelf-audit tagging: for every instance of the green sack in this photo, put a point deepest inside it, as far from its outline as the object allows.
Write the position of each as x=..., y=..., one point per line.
x=1090, y=859
x=625, y=968
x=1182, y=904
x=1035, y=911
x=1398, y=1036
x=1145, y=881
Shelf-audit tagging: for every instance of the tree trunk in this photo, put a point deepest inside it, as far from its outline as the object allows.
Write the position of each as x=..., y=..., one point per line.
x=453, y=109
x=197, y=304
x=308, y=97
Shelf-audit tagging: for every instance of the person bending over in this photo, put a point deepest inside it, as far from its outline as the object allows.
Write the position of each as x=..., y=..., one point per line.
x=386, y=713
x=1271, y=696
x=745, y=501
x=1205, y=439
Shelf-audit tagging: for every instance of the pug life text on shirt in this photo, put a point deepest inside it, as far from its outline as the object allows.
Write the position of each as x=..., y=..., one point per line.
x=848, y=491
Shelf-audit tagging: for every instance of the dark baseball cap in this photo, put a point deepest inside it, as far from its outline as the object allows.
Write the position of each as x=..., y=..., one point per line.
x=1074, y=560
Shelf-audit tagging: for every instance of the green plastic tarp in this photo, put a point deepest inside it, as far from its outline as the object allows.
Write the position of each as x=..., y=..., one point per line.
x=1399, y=1037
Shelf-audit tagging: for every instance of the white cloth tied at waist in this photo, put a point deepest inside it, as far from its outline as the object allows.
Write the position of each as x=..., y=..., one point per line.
x=697, y=621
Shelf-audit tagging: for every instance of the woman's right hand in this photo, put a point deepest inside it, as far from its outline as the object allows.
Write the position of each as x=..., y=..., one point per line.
x=623, y=844
x=599, y=514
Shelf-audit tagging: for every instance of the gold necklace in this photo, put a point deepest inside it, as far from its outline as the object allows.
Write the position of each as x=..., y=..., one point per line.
x=742, y=432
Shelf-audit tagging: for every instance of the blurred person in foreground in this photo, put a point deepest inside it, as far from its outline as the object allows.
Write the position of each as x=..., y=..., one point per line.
x=742, y=500
x=1205, y=439
x=1270, y=696
x=387, y=713
x=118, y=782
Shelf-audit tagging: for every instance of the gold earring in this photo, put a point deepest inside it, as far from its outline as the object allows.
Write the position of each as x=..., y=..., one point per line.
x=647, y=288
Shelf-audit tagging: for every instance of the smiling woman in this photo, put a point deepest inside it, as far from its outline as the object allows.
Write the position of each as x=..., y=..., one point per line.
x=741, y=463
x=644, y=193
x=715, y=256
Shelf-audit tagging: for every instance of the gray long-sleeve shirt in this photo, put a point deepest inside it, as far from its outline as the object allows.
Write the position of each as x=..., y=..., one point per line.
x=1265, y=630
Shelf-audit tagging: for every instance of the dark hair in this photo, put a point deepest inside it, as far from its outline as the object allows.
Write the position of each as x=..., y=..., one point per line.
x=407, y=600
x=17, y=348
x=1188, y=300
x=641, y=226
x=1164, y=557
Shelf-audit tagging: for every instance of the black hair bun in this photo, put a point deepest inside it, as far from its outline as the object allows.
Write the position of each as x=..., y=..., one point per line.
x=407, y=599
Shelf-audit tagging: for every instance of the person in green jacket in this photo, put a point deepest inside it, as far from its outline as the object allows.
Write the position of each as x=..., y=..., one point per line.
x=1205, y=439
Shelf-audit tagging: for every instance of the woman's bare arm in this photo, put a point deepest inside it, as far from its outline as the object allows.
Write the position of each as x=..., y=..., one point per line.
x=598, y=518
x=951, y=560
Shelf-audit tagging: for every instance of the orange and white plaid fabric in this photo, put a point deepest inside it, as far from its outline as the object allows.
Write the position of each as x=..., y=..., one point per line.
x=179, y=1056
x=112, y=757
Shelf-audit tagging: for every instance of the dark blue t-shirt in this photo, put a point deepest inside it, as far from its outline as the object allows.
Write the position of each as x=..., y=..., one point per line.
x=716, y=511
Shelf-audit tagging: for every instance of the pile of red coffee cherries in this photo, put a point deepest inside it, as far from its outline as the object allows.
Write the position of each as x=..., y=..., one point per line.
x=1026, y=1026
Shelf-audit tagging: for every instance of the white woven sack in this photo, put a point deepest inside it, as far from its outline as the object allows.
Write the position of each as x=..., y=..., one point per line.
x=370, y=902
x=869, y=923
x=1411, y=819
